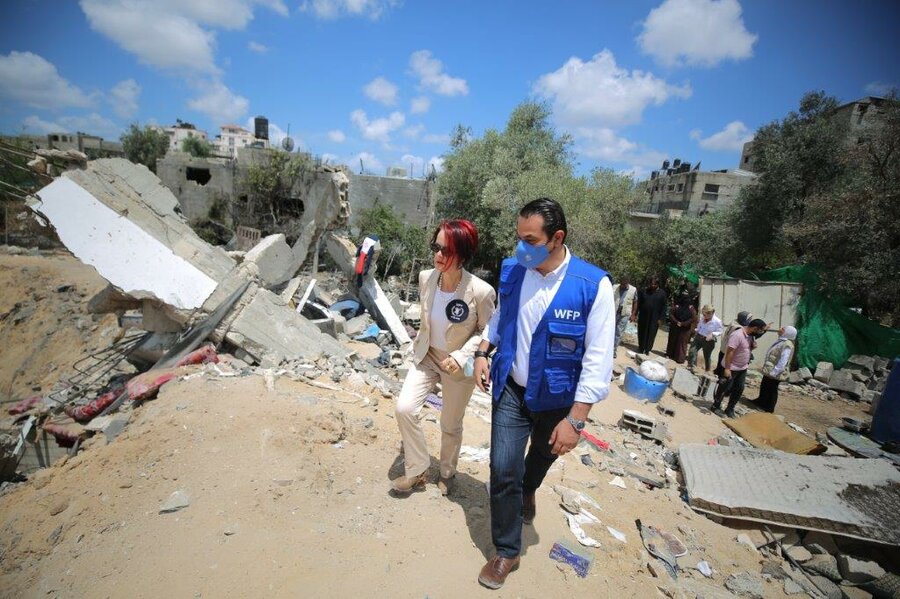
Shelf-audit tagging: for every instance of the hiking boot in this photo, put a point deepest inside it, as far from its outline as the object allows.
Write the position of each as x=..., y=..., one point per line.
x=730, y=414
x=494, y=573
x=529, y=508
x=407, y=484
x=445, y=485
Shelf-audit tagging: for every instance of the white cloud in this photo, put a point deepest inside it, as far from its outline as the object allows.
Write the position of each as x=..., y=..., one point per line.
x=381, y=90
x=877, y=88
x=437, y=162
x=605, y=145
x=414, y=131
x=370, y=162
x=257, y=47
x=436, y=138
x=219, y=103
x=420, y=105
x=330, y=158
x=337, y=136
x=172, y=34
x=124, y=98
x=32, y=80
x=378, y=129
x=430, y=72
x=730, y=139
x=696, y=32
x=333, y=9
x=34, y=124
x=413, y=164
x=599, y=93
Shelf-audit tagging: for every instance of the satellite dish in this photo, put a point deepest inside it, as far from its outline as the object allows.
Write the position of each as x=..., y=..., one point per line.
x=288, y=144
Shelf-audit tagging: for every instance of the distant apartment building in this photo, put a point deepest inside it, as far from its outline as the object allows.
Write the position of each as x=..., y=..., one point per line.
x=678, y=189
x=92, y=145
x=181, y=131
x=859, y=116
x=234, y=137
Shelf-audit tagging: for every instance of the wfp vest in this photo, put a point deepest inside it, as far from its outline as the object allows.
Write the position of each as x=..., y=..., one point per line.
x=774, y=355
x=557, y=346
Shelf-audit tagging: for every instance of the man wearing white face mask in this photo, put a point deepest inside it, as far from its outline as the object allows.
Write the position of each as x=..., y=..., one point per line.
x=554, y=333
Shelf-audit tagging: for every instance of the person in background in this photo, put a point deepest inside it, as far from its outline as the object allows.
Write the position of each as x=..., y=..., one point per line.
x=651, y=307
x=681, y=321
x=776, y=368
x=735, y=364
x=742, y=320
x=456, y=306
x=705, y=337
x=626, y=308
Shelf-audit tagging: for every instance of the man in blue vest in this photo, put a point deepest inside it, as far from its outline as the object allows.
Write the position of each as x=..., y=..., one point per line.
x=554, y=334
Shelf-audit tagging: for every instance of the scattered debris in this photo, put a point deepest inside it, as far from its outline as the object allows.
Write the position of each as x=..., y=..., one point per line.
x=762, y=429
x=178, y=500
x=580, y=561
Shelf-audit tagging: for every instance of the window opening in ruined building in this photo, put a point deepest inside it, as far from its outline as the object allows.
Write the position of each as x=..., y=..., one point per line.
x=680, y=187
x=671, y=187
x=710, y=188
x=200, y=176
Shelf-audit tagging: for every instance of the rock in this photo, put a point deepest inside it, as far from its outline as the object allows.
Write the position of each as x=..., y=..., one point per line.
x=850, y=592
x=746, y=542
x=805, y=373
x=791, y=587
x=274, y=258
x=866, y=363
x=843, y=380
x=176, y=501
x=870, y=397
x=858, y=571
x=684, y=383
x=825, y=565
x=817, y=384
x=798, y=553
x=59, y=506
x=795, y=378
x=357, y=324
x=822, y=585
x=824, y=370
x=745, y=584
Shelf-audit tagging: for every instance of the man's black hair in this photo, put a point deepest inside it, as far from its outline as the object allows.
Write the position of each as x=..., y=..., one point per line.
x=551, y=212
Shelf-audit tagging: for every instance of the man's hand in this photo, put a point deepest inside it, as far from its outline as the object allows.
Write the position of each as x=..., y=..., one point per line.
x=482, y=374
x=563, y=438
x=709, y=337
x=450, y=365
x=727, y=373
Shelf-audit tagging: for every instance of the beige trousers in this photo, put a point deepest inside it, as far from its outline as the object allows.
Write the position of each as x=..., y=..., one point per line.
x=457, y=390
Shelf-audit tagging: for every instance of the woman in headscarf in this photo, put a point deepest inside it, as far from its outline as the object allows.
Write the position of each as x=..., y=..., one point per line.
x=776, y=368
x=681, y=321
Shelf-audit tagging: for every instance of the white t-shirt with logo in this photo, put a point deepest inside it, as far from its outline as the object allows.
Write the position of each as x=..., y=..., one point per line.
x=438, y=318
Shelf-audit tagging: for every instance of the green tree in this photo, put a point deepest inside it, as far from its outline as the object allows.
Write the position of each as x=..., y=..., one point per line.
x=144, y=146
x=196, y=147
x=268, y=186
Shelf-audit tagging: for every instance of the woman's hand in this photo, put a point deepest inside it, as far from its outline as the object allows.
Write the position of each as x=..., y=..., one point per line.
x=450, y=365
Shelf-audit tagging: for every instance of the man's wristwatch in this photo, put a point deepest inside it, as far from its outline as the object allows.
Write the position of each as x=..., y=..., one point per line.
x=578, y=425
x=481, y=354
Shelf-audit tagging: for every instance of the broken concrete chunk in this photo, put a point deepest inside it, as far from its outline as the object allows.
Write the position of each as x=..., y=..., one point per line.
x=176, y=501
x=866, y=363
x=824, y=370
x=842, y=380
x=822, y=540
x=684, y=383
x=274, y=258
x=858, y=571
x=825, y=565
x=791, y=587
x=745, y=584
x=798, y=553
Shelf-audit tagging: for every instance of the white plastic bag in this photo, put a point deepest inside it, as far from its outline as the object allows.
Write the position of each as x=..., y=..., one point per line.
x=654, y=371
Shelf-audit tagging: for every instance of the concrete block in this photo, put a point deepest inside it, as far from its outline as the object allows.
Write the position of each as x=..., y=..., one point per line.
x=274, y=258
x=866, y=363
x=842, y=380
x=684, y=383
x=795, y=378
x=824, y=370
x=805, y=373
x=160, y=318
x=821, y=539
x=858, y=571
x=358, y=324
x=267, y=325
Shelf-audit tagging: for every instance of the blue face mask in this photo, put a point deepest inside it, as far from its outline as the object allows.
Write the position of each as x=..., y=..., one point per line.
x=530, y=256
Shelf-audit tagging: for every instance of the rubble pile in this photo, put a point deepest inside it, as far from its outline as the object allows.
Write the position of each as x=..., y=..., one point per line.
x=863, y=378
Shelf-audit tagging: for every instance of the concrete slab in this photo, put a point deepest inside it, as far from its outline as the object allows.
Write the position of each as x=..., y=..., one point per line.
x=824, y=370
x=274, y=258
x=843, y=380
x=853, y=498
x=684, y=383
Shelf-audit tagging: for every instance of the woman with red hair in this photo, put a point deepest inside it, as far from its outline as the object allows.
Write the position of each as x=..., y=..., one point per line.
x=456, y=306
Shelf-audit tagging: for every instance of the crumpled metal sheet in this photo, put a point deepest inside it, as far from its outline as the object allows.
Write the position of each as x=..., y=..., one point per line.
x=838, y=495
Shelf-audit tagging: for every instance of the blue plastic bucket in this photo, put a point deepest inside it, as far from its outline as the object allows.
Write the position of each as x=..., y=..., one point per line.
x=640, y=387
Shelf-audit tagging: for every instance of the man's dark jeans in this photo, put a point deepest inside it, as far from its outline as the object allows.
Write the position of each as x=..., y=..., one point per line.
x=734, y=387
x=512, y=472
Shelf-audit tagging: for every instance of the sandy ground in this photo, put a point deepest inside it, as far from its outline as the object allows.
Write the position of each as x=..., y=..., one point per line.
x=289, y=497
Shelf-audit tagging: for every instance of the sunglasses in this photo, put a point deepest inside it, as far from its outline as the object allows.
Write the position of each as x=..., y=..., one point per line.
x=436, y=247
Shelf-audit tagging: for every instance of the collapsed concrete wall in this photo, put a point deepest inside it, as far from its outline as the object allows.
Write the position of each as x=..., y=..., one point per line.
x=411, y=199
x=203, y=186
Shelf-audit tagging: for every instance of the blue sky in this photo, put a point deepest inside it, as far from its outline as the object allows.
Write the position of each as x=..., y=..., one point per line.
x=633, y=82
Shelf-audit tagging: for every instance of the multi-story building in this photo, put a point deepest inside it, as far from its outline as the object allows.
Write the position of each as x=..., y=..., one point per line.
x=181, y=131
x=677, y=189
x=234, y=137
